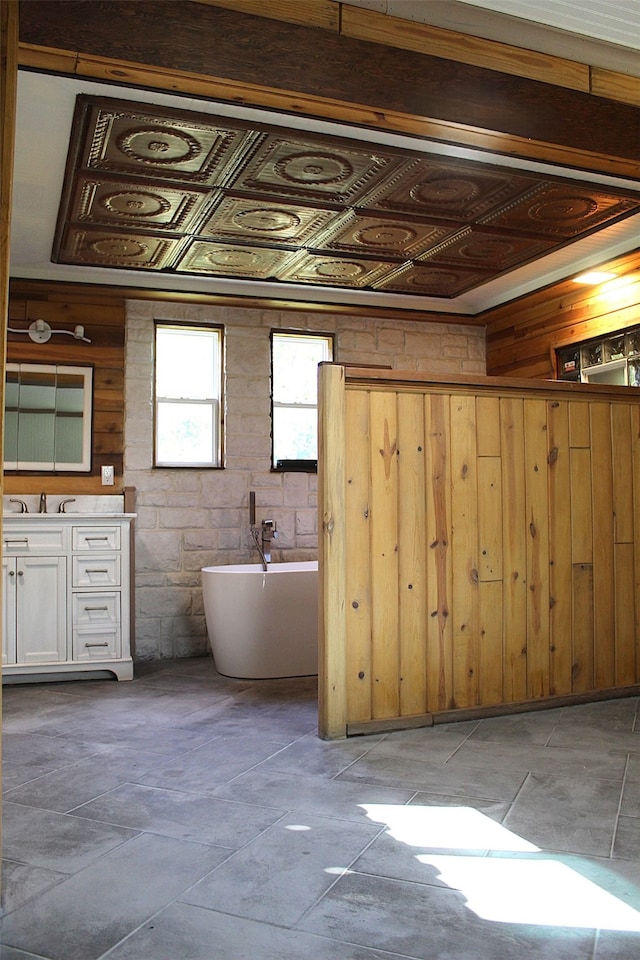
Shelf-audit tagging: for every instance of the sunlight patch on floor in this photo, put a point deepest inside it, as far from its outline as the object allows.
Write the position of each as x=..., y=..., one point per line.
x=531, y=889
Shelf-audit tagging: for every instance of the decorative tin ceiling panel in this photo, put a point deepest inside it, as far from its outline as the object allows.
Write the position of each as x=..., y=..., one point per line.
x=140, y=139
x=153, y=188
x=562, y=210
x=117, y=249
x=129, y=203
x=265, y=221
x=233, y=260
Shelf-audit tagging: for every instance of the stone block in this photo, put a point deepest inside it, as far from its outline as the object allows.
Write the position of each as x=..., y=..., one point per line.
x=157, y=551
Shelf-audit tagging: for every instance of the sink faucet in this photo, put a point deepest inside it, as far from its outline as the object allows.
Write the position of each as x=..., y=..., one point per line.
x=23, y=506
x=43, y=503
x=62, y=506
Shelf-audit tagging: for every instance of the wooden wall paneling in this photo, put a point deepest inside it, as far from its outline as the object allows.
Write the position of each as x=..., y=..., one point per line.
x=580, y=468
x=537, y=513
x=624, y=635
x=439, y=567
x=635, y=448
x=412, y=550
x=583, y=641
x=464, y=524
x=490, y=551
x=603, y=545
x=514, y=545
x=358, y=557
x=491, y=652
x=579, y=425
x=332, y=692
x=622, y=470
x=560, y=565
x=623, y=525
x=385, y=695
x=490, y=585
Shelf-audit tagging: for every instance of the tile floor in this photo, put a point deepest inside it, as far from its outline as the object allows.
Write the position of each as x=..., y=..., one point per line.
x=184, y=816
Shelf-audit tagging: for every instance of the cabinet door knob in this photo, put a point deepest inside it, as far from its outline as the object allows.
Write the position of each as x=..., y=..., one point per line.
x=20, y=573
x=11, y=573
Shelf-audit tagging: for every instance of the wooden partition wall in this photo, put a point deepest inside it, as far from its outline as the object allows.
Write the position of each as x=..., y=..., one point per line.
x=480, y=547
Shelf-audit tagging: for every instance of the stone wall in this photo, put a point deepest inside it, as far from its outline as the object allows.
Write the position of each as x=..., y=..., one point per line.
x=191, y=518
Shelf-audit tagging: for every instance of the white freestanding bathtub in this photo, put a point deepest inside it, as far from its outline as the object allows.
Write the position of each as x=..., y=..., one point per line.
x=263, y=625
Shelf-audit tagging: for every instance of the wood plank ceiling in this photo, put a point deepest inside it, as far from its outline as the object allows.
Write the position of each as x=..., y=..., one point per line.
x=151, y=188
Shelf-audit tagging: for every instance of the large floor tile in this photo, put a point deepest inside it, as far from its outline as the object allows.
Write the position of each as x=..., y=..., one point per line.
x=185, y=931
x=56, y=841
x=491, y=783
x=184, y=816
x=284, y=871
x=206, y=768
x=64, y=789
x=571, y=814
x=427, y=922
x=21, y=882
x=317, y=796
x=84, y=916
x=627, y=842
x=574, y=761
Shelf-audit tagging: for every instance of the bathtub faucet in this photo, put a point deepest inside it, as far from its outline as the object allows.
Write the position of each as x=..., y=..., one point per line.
x=269, y=531
x=263, y=536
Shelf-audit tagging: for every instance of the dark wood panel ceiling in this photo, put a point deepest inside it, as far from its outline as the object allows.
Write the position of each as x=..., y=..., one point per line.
x=156, y=189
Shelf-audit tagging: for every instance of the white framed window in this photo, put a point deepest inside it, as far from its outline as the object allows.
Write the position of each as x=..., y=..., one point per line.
x=294, y=392
x=188, y=395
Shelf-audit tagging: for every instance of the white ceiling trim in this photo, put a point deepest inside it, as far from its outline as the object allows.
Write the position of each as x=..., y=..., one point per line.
x=45, y=110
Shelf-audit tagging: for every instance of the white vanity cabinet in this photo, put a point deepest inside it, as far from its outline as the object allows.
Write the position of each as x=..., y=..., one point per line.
x=66, y=594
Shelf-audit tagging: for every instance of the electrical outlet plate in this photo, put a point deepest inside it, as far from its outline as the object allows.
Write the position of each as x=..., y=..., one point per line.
x=107, y=477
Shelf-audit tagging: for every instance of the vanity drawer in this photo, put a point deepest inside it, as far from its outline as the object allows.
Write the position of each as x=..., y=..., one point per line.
x=96, y=609
x=96, y=571
x=97, y=644
x=33, y=538
x=96, y=538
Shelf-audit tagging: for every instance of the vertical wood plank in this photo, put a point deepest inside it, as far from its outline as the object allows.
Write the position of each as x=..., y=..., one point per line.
x=625, y=647
x=439, y=564
x=358, y=574
x=581, y=506
x=603, y=538
x=491, y=652
x=583, y=648
x=579, y=424
x=622, y=473
x=488, y=426
x=412, y=532
x=490, y=519
x=332, y=693
x=635, y=458
x=560, y=570
x=464, y=516
x=537, y=512
x=514, y=540
x=385, y=697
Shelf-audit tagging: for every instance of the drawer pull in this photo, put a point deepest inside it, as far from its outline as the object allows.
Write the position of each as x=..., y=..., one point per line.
x=103, y=644
x=96, y=538
x=16, y=539
x=96, y=570
x=87, y=609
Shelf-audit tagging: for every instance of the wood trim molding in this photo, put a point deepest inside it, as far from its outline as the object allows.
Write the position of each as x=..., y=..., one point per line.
x=437, y=42
x=290, y=101
x=310, y=13
x=364, y=24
